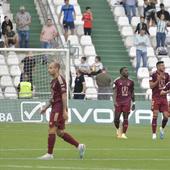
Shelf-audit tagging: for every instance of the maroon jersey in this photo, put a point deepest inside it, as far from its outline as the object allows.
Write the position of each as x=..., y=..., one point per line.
x=157, y=89
x=124, y=90
x=167, y=87
x=58, y=87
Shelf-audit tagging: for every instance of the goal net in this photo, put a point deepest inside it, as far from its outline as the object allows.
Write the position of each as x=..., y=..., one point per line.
x=16, y=65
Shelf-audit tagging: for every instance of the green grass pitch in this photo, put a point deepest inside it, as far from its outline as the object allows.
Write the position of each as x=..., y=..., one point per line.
x=21, y=144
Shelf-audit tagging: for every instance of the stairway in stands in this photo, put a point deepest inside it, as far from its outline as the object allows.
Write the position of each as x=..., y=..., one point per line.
x=35, y=26
x=107, y=39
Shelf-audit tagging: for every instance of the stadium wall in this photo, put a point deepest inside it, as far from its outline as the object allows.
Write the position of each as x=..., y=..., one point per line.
x=92, y=112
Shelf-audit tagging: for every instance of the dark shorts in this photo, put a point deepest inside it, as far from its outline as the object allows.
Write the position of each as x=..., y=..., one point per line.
x=56, y=117
x=68, y=25
x=125, y=108
x=87, y=31
x=160, y=104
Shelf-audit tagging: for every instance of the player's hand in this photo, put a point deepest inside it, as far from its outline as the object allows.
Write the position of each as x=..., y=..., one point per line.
x=65, y=115
x=43, y=110
x=133, y=106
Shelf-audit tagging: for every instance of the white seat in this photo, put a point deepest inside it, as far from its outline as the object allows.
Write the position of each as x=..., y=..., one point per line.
x=150, y=52
x=123, y=21
x=80, y=30
x=4, y=70
x=2, y=59
x=166, y=61
x=86, y=40
x=162, y=56
x=89, y=51
x=73, y=71
x=6, y=81
x=78, y=20
x=153, y=69
x=166, y=3
x=58, y=10
x=15, y=70
x=77, y=10
x=73, y=2
x=129, y=41
x=58, y=2
x=152, y=62
x=135, y=21
x=16, y=81
x=152, y=31
x=118, y=12
x=10, y=92
x=89, y=82
x=78, y=52
x=143, y=72
x=127, y=31
x=91, y=60
x=12, y=60
x=1, y=94
x=134, y=63
x=73, y=40
x=77, y=62
x=91, y=93
x=132, y=52
x=145, y=83
x=140, y=3
x=148, y=95
x=73, y=81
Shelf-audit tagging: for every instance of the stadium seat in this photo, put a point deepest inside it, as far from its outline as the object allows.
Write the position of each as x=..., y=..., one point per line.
x=91, y=93
x=73, y=71
x=152, y=31
x=12, y=60
x=58, y=10
x=123, y=21
x=6, y=81
x=89, y=51
x=132, y=52
x=127, y=31
x=73, y=40
x=77, y=10
x=148, y=95
x=4, y=70
x=153, y=69
x=162, y=56
x=150, y=52
x=91, y=60
x=15, y=70
x=89, y=81
x=80, y=30
x=129, y=41
x=73, y=2
x=10, y=92
x=143, y=72
x=152, y=62
x=140, y=3
x=145, y=83
x=135, y=21
x=77, y=62
x=1, y=94
x=16, y=81
x=76, y=51
x=78, y=20
x=2, y=60
x=166, y=3
x=166, y=61
x=118, y=12
x=73, y=81
x=86, y=40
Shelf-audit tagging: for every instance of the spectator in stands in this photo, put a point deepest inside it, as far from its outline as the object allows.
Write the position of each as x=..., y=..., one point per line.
x=88, y=19
x=142, y=25
x=5, y=23
x=80, y=86
x=11, y=38
x=25, y=88
x=161, y=31
x=2, y=44
x=97, y=66
x=150, y=11
x=104, y=81
x=68, y=20
x=29, y=66
x=130, y=8
x=141, y=42
x=48, y=34
x=84, y=66
x=163, y=11
x=23, y=21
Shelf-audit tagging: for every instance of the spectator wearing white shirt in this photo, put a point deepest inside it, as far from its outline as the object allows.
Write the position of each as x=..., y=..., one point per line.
x=141, y=42
x=84, y=66
x=97, y=67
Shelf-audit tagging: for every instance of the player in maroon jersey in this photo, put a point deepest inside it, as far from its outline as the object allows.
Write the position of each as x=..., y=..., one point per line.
x=59, y=114
x=157, y=82
x=123, y=96
x=165, y=91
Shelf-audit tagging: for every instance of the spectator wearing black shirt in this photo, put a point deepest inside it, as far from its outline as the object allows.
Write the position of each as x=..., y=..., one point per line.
x=6, y=22
x=80, y=86
x=142, y=26
x=163, y=11
x=29, y=66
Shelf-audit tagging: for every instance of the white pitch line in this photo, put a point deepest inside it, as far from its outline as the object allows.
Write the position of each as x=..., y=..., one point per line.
x=90, y=149
x=93, y=159
x=61, y=167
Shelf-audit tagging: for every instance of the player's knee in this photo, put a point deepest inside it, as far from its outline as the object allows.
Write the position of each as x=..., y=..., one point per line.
x=60, y=133
x=52, y=130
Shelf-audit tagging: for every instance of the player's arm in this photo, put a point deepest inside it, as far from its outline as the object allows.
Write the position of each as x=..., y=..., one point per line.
x=114, y=94
x=46, y=107
x=163, y=92
x=64, y=101
x=133, y=98
x=153, y=83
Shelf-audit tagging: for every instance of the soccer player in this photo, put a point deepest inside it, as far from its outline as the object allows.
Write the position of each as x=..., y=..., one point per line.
x=58, y=115
x=123, y=96
x=158, y=80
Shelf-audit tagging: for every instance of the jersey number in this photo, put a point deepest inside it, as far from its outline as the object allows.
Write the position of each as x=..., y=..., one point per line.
x=125, y=91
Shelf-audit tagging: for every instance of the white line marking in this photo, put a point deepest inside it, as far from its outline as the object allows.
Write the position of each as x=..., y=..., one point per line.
x=94, y=159
x=90, y=149
x=64, y=167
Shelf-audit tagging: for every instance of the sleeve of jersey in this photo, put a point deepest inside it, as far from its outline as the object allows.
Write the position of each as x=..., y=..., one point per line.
x=62, y=84
x=152, y=78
